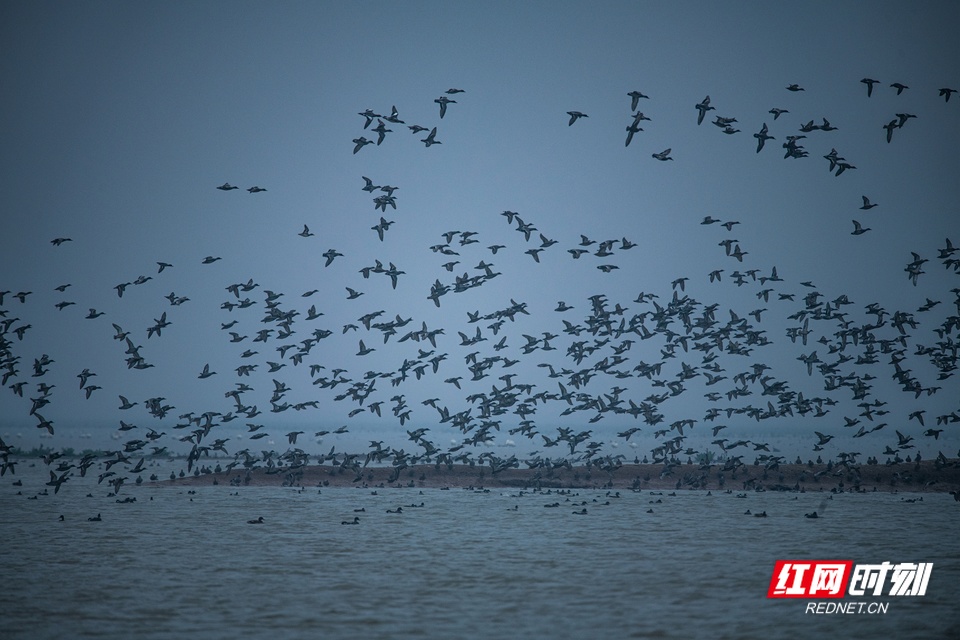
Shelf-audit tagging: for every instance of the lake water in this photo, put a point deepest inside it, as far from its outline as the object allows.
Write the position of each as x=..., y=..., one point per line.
x=466, y=564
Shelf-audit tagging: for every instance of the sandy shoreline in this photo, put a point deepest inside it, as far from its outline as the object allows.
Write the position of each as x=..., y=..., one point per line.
x=922, y=477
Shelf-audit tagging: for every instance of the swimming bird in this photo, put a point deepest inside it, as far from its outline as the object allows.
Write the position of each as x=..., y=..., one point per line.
x=257, y=521
x=356, y=520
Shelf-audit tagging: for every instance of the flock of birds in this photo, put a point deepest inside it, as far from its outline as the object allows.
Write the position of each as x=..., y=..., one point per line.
x=587, y=371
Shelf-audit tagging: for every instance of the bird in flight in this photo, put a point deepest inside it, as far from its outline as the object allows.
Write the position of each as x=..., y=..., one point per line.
x=360, y=142
x=635, y=99
x=663, y=155
x=858, y=229
x=330, y=254
x=703, y=106
x=574, y=116
x=890, y=126
x=443, y=101
x=762, y=137
x=431, y=138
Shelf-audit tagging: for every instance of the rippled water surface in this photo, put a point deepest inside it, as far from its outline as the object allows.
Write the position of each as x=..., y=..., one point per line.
x=465, y=564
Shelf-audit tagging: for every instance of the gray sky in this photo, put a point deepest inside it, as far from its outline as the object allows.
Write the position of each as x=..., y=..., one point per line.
x=121, y=120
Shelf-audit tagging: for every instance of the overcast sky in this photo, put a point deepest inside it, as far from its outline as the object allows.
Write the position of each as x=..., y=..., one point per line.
x=121, y=119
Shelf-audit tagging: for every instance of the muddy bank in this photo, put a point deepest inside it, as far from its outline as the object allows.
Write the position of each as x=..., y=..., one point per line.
x=925, y=476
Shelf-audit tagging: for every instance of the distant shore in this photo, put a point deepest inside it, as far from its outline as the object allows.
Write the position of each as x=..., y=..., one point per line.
x=925, y=476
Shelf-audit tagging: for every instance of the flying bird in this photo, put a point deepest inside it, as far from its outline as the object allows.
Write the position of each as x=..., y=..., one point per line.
x=635, y=99
x=762, y=137
x=702, y=107
x=443, y=101
x=890, y=126
x=360, y=142
x=369, y=115
x=858, y=229
x=431, y=138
